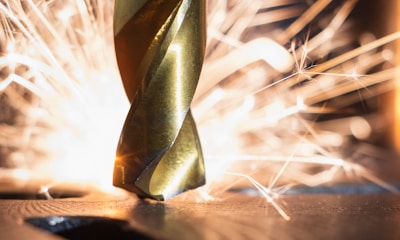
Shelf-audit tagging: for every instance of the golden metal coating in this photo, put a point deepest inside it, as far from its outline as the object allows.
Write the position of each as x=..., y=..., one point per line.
x=160, y=47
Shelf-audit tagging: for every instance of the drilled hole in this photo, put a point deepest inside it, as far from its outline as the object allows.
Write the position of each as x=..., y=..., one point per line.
x=86, y=227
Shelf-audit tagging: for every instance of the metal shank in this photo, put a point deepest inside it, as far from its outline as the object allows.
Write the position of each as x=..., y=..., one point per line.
x=159, y=46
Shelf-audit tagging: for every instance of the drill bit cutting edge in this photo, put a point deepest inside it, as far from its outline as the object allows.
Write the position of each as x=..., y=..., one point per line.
x=160, y=47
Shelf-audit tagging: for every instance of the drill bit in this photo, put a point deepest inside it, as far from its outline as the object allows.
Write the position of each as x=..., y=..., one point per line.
x=160, y=47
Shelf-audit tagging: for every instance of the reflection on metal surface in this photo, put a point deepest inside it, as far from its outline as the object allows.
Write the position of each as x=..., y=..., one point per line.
x=85, y=227
x=160, y=49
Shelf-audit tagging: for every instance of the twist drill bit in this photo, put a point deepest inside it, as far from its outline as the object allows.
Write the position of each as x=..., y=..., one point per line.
x=160, y=47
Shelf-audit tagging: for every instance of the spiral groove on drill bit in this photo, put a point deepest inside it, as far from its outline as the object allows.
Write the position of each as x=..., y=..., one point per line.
x=159, y=46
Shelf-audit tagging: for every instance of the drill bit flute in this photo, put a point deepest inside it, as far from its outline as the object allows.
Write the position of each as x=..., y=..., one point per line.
x=159, y=46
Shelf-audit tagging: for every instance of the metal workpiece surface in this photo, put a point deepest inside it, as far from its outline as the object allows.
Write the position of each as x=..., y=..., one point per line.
x=230, y=216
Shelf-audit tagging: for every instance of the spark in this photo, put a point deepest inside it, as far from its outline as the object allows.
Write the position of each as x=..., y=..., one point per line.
x=265, y=192
x=45, y=191
x=58, y=55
